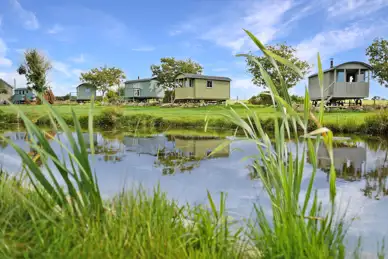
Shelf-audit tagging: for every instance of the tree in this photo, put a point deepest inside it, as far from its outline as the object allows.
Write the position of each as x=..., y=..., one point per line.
x=35, y=68
x=103, y=78
x=377, y=53
x=170, y=68
x=290, y=77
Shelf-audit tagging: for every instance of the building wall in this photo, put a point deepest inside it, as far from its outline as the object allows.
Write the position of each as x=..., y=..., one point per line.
x=200, y=148
x=7, y=96
x=219, y=91
x=151, y=146
x=83, y=94
x=21, y=93
x=315, y=89
x=351, y=90
x=148, y=89
x=183, y=93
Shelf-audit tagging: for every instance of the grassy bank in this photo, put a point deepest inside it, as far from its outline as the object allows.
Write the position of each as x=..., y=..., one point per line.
x=135, y=225
x=195, y=118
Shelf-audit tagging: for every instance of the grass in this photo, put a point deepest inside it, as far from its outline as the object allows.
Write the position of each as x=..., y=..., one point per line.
x=64, y=215
x=135, y=225
x=348, y=122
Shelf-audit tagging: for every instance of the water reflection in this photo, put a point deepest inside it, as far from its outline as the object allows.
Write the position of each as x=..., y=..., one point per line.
x=176, y=154
x=363, y=161
x=351, y=164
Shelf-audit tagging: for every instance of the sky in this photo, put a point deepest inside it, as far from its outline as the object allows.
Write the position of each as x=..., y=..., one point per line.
x=77, y=35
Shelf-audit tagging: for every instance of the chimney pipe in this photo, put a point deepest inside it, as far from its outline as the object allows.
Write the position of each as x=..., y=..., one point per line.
x=331, y=63
x=138, y=77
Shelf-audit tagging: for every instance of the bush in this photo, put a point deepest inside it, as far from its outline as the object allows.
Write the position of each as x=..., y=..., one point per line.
x=264, y=98
x=169, y=96
x=377, y=123
x=109, y=117
x=297, y=99
x=112, y=96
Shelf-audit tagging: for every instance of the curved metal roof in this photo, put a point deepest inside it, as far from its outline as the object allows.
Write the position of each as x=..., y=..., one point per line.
x=85, y=84
x=197, y=76
x=349, y=62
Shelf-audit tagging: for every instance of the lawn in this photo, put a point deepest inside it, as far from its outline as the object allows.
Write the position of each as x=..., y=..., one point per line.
x=187, y=114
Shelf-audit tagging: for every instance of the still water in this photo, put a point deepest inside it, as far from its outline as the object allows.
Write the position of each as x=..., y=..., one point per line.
x=183, y=169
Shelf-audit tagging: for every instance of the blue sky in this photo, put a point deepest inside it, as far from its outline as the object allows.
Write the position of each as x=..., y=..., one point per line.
x=78, y=35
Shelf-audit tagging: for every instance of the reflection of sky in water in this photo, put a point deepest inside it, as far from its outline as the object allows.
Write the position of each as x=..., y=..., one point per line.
x=130, y=161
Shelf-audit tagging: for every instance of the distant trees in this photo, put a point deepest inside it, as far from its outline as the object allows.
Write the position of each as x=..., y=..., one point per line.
x=170, y=68
x=290, y=77
x=377, y=54
x=103, y=78
x=35, y=68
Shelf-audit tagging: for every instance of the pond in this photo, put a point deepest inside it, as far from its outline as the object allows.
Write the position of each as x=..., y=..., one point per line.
x=181, y=165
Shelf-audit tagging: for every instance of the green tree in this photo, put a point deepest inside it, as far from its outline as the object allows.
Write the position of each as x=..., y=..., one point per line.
x=35, y=68
x=170, y=68
x=103, y=78
x=290, y=77
x=377, y=53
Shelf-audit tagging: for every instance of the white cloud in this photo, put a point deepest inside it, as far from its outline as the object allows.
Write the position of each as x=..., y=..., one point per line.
x=181, y=29
x=350, y=9
x=11, y=75
x=55, y=29
x=4, y=62
x=175, y=32
x=77, y=72
x=62, y=68
x=79, y=59
x=63, y=88
x=329, y=43
x=20, y=51
x=144, y=49
x=266, y=19
x=243, y=83
x=28, y=18
x=243, y=88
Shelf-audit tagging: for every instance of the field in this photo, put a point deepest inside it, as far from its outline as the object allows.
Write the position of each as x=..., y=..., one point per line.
x=186, y=115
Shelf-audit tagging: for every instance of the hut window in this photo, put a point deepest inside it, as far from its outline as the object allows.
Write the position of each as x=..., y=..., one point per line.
x=136, y=92
x=87, y=90
x=340, y=75
x=366, y=76
x=209, y=84
x=191, y=84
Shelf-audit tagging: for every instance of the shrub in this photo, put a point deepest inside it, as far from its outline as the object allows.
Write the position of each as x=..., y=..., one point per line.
x=109, y=117
x=264, y=98
x=169, y=96
x=377, y=123
x=297, y=99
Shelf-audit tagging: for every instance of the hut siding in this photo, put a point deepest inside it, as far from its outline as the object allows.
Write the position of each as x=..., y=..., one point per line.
x=339, y=89
x=148, y=89
x=83, y=94
x=354, y=90
x=219, y=91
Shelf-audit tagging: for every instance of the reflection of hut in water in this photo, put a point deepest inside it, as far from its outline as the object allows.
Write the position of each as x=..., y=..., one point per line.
x=146, y=145
x=16, y=136
x=348, y=160
x=200, y=148
x=87, y=139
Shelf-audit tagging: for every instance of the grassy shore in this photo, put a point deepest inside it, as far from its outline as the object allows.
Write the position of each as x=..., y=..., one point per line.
x=345, y=122
x=135, y=225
